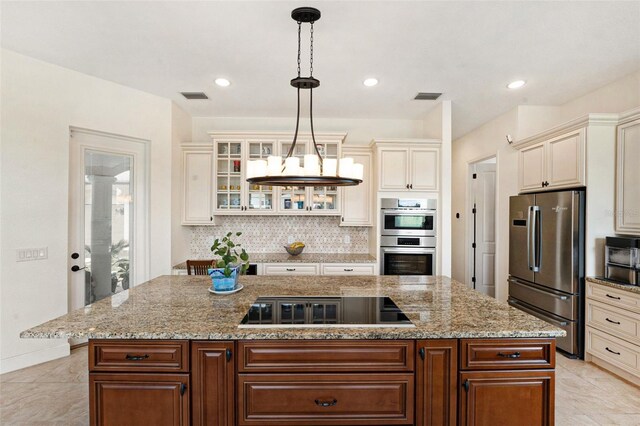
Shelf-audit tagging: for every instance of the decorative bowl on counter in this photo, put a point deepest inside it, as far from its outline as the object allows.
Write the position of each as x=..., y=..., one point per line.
x=294, y=249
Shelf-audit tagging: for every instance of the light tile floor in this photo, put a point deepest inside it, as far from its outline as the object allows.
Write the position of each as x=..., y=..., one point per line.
x=56, y=393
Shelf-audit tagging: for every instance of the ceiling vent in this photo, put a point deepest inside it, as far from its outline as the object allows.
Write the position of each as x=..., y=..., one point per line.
x=423, y=96
x=194, y=95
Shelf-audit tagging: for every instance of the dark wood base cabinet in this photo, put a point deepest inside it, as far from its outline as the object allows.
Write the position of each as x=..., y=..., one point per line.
x=444, y=382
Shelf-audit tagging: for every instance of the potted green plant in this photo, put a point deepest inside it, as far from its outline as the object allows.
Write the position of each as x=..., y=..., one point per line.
x=233, y=261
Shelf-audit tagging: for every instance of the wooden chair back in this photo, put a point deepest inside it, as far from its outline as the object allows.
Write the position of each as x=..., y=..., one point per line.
x=199, y=267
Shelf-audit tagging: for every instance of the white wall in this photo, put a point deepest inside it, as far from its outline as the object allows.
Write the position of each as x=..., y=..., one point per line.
x=180, y=133
x=360, y=131
x=486, y=141
x=489, y=140
x=39, y=103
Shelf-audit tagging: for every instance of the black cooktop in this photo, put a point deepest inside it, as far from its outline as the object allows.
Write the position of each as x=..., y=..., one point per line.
x=324, y=311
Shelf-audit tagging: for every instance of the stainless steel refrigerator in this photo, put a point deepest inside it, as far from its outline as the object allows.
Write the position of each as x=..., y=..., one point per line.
x=546, y=261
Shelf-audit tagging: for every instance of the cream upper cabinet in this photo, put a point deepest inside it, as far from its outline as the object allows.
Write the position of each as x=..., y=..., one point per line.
x=197, y=162
x=424, y=169
x=233, y=195
x=555, y=163
x=628, y=178
x=408, y=165
x=393, y=168
x=357, y=207
x=532, y=161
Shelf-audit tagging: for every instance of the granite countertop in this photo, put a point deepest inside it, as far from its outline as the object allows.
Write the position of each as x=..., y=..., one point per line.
x=284, y=257
x=180, y=307
x=624, y=287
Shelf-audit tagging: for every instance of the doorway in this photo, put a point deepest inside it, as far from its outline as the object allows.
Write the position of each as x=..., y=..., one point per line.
x=108, y=230
x=482, y=229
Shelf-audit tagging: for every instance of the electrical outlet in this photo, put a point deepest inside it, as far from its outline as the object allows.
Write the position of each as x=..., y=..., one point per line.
x=290, y=239
x=347, y=239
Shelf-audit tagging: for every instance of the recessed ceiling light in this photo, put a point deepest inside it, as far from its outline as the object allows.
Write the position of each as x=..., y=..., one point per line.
x=516, y=84
x=222, y=82
x=369, y=82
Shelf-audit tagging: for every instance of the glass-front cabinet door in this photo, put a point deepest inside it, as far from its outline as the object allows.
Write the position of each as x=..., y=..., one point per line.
x=262, y=313
x=293, y=199
x=259, y=198
x=325, y=198
x=229, y=175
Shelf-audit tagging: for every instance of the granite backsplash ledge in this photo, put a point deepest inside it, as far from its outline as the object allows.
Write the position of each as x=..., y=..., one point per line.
x=268, y=234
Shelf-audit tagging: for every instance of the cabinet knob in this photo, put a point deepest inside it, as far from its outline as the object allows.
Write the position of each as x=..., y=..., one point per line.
x=407, y=186
x=211, y=218
x=411, y=186
x=326, y=403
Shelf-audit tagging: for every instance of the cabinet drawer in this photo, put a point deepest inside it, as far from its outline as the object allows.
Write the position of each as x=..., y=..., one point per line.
x=291, y=269
x=326, y=356
x=348, y=269
x=491, y=354
x=614, y=297
x=136, y=355
x=326, y=399
x=613, y=350
x=613, y=320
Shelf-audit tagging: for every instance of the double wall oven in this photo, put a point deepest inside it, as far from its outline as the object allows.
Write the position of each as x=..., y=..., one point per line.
x=407, y=237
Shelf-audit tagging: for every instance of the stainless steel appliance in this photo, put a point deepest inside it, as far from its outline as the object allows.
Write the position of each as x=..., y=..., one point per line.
x=408, y=236
x=546, y=261
x=622, y=260
x=408, y=217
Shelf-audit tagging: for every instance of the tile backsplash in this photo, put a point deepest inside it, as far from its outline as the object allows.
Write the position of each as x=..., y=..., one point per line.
x=268, y=234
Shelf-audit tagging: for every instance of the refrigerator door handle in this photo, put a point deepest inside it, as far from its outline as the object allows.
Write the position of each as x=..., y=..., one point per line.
x=537, y=254
x=529, y=238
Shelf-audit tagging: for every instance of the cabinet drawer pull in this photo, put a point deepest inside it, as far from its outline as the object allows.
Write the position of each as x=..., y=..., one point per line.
x=183, y=388
x=291, y=269
x=348, y=269
x=465, y=385
x=326, y=403
x=613, y=352
x=422, y=353
x=612, y=297
x=612, y=321
x=513, y=355
x=136, y=357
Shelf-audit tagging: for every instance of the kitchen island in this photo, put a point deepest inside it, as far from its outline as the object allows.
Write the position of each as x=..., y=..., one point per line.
x=169, y=352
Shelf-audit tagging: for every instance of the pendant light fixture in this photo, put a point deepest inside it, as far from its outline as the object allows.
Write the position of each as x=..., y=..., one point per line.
x=316, y=171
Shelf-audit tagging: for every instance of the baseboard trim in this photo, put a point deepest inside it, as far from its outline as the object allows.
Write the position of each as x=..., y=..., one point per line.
x=32, y=358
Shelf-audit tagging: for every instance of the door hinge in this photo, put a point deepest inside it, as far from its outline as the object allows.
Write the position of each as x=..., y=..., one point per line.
x=422, y=353
x=183, y=388
x=475, y=176
x=465, y=385
x=473, y=279
x=473, y=210
x=228, y=355
x=473, y=245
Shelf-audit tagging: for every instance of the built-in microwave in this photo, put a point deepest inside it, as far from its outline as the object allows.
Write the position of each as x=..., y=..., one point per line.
x=408, y=217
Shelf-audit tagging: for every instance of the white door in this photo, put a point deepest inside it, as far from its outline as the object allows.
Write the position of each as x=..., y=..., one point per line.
x=108, y=249
x=484, y=192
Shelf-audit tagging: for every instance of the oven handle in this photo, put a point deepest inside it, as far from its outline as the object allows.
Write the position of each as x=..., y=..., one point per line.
x=421, y=250
x=408, y=212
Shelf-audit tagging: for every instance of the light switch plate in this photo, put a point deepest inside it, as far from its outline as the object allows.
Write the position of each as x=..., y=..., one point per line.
x=25, y=255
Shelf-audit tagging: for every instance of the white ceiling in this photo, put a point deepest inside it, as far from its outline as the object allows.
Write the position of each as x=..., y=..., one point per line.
x=467, y=50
